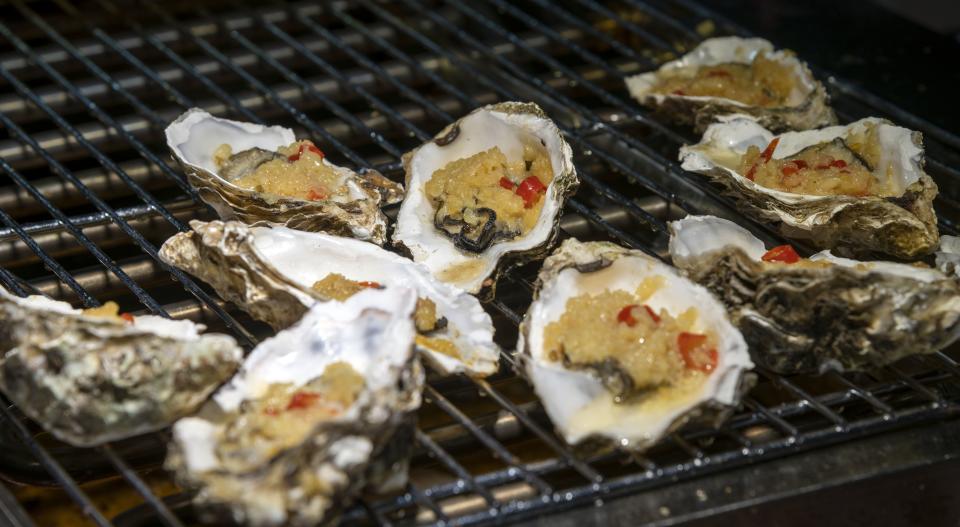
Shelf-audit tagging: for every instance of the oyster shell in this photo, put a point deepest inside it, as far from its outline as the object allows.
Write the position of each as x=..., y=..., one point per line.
x=834, y=313
x=195, y=136
x=92, y=379
x=270, y=272
x=580, y=401
x=462, y=260
x=903, y=225
x=948, y=256
x=289, y=440
x=806, y=107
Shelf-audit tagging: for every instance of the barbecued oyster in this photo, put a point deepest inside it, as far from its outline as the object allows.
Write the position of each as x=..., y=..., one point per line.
x=277, y=273
x=289, y=440
x=859, y=189
x=666, y=351
x=93, y=376
x=489, y=186
x=262, y=174
x=820, y=313
x=733, y=75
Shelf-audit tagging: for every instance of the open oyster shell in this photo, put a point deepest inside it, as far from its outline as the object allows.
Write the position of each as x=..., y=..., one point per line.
x=849, y=315
x=577, y=400
x=903, y=226
x=269, y=272
x=297, y=458
x=93, y=379
x=806, y=108
x=194, y=136
x=505, y=125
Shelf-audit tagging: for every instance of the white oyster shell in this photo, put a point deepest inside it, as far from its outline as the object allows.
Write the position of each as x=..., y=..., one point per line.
x=576, y=400
x=194, y=136
x=851, y=315
x=806, y=108
x=904, y=226
x=310, y=481
x=504, y=125
x=269, y=273
x=948, y=256
x=89, y=380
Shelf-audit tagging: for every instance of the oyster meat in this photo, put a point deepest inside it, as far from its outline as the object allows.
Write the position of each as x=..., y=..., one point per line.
x=859, y=189
x=733, y=75
x=262, y=174
x=290, y=439
x=825, y=312
x=668, y=352
x=276, y=273
x=93, y=376
x=489, y=186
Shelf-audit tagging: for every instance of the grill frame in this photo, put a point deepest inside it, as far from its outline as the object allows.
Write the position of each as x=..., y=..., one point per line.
x=606, y=138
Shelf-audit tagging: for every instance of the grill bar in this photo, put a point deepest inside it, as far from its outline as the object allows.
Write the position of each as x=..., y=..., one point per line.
x=390, y=78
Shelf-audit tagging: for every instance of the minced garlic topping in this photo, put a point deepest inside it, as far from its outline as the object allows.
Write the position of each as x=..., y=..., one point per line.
x=488, y=180
x=299, y=173
x=764, y=82
x=338, y=287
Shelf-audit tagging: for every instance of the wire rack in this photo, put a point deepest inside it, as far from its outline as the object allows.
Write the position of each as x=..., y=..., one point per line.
x=86, y=89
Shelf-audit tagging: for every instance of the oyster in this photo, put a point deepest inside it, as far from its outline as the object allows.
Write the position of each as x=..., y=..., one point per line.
x=690, y=358
x=92, y=376
x=948, y=256
x=489, y=186
x=261, y=174
x=733, y=75
x=289, y=440
x=889, y=213
x=275, y=274
x=824, y=313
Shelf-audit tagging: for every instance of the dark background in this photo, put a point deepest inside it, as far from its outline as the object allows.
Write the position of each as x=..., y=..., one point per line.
x=907, y=51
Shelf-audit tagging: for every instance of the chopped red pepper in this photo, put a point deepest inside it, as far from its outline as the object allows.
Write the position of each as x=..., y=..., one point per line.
x=315, y=195
x=626, y=317
x=718, y=73
x=764, y=156
x=693, y=352
x=652, y=313
x=374, y=285
x=306, y=145
x=127, y=316
x=506, y=183
x=781, y=253
x=788, y=169
x=529, y=189
x=836, y=163
x=303, y=400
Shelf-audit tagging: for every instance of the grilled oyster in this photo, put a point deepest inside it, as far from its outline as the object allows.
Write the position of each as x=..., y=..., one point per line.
x=289, y=440
x=825, y=312
x=948, y=256
x=260, y=174
x=91, y=376
x=489, y=186
x=733, y=75
x=859, y=189
x=689, y=358
x=275, y=274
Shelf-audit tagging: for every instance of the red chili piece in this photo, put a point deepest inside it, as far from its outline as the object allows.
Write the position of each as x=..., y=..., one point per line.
x=314, y=195
x=692, y=351
x=530, y=189
x=836, y=163
x=506, y=183
x=374, y=285
x=626, y=317
x=306, y=145
x=781, y=253
x=764, y=156
x=652, y=313
x=127, y=316
x=303, y=400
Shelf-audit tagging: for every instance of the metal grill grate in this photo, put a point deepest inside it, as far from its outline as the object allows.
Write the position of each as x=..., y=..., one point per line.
x=88, y=87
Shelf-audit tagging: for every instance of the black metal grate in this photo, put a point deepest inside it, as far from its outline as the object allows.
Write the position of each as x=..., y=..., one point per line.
x=86, y=89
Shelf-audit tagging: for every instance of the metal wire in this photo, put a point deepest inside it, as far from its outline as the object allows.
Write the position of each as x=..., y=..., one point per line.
x=393, y=75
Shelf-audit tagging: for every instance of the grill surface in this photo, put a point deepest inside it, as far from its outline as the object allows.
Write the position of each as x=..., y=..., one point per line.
x=86, y=89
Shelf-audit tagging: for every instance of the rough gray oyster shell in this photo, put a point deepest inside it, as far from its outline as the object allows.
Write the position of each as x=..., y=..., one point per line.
x=194, y=136
x=903, y=226
x=808, y=106
x=269, y=273
x=307, y=474
x=506, y=125
x=848, y=315
x=578, y=401
x=89, y=380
